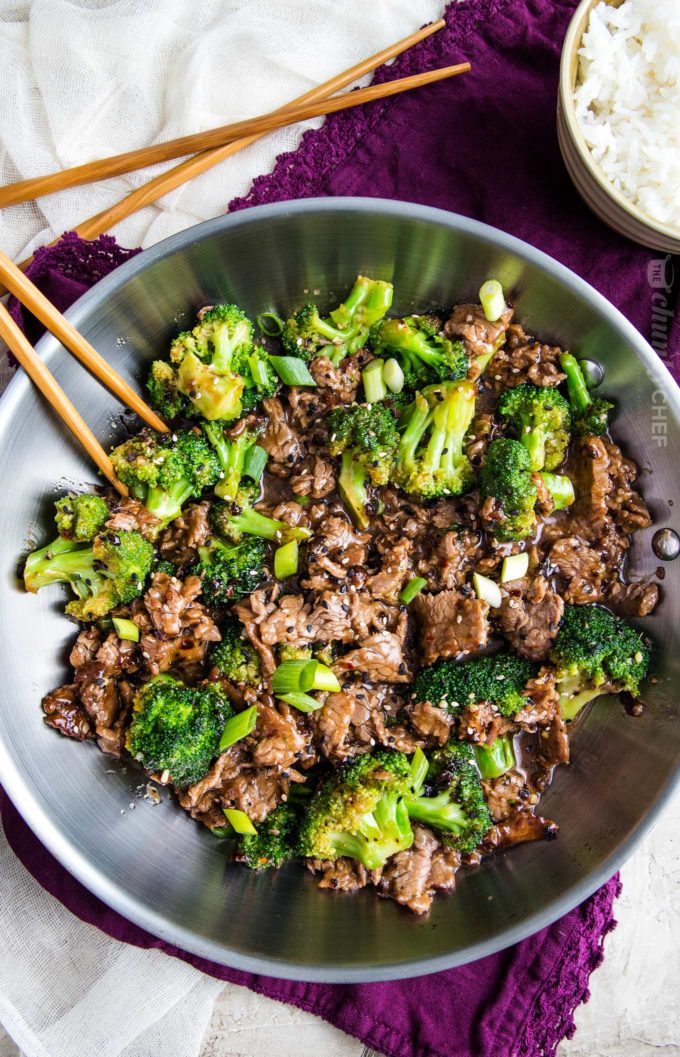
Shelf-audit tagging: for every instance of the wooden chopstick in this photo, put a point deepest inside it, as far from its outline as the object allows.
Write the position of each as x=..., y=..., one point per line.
x=154, y=189
x=36, y=302
x=49, y=387
x=115, y=165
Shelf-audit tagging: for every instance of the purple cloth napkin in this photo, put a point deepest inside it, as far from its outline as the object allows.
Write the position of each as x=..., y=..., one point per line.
x=484, y=145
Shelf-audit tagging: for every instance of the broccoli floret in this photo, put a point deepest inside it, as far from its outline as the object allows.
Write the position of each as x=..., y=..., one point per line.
x=431, y=460
x=506, y=477
x=162, y=387
x=177, y=728
x=275, y=841
x=80, y=517
x=498, y=678
x=590, y=415
x=239, y=519
x=164, y=471
x=235, y=658
x=360, y=812
x=452, y=799
x=424, y=354
x=215, y=370
x=106, y=573
x=230, y=571
x=306, y=334
x=231, y=452
x=289, y=652
x=539, y=417
x=495, y=758
x=366, y=437
x=596, y=653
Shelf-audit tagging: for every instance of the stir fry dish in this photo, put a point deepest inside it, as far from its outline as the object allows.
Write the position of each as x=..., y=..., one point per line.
x=357, y=597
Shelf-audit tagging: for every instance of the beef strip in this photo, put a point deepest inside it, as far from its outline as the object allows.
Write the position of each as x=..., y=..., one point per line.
x=395, y=569
x=503, y=793
x=380, y=659
x=431, y=722
x=542, y=701
x=450, y=623
x=343, y=875
x=280, y=738
x=64, y=712
x=129, y=515
x=522, y=360
x=279, y=440
x=482, y=723
x=335, y=549
x=180, y=541
x=338, y=385
x=637, y=599
x=519, y=828
x=315, y=477
x=529, y=616
x=413, y=876
x=479, y=336
x=176, y=629
x=450, y=559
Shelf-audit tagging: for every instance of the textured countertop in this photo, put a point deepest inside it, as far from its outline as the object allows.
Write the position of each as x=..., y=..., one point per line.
x=633, y=1012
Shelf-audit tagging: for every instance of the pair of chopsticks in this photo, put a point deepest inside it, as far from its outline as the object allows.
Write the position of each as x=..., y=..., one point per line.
x=29, y=295
x=213, y=147
x=221, y=143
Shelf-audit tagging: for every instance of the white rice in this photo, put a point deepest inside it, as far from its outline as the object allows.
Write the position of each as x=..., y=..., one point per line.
x=628, y=101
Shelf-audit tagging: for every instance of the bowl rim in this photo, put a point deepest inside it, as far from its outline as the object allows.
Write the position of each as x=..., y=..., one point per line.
x=570, y=46
x=36, y=814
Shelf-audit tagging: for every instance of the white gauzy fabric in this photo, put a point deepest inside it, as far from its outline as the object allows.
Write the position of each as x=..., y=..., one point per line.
x=81, y=79
x=67, y=990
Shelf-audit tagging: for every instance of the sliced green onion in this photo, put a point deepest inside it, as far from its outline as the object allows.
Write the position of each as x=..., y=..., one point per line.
x=255, y=462
x=238, y=727
x=487, y=590
x=239, y=820
x=492, y=299
x=324, y=678
x=303, y=702
x=303, y=675
x=375, y=389
x=270, y=324
x=393, y=375
x=222, y=832
x=126, y=629
x=514, y=567
x=291, y=370
x=258, y=370
x=293, y=675
x=286, y=560
x=419, y=767
x=411, y=589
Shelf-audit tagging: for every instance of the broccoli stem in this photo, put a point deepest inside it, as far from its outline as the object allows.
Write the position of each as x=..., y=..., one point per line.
x=371, y=295
x=166, y=505
x=61, y=561
x=231, y=454
x=495, y=759
x=352, y=487
x=579, y=397
x=439, y=811
x=252, y=523
x=417, y=424
x=561, y=489
x=573, y=699
x=534, y=441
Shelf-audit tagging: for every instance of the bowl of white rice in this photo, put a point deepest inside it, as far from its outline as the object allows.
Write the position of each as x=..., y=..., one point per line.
x=618, y=115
